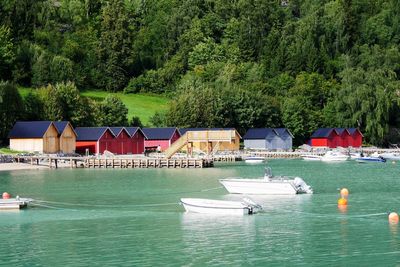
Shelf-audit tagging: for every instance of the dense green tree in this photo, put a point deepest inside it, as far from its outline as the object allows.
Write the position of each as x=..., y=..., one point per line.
x=11, y=108
x=6, y=52
x=112, y=112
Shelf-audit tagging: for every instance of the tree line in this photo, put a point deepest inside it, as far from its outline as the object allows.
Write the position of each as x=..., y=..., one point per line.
x=295, y=64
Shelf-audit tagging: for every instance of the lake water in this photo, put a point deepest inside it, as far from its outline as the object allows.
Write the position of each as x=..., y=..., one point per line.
x=128, y=217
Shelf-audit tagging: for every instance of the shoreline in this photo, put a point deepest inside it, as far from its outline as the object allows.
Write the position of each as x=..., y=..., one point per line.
x=20, y=166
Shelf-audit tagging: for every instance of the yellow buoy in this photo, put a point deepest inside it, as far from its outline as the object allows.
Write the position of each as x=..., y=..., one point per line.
x=394, y=217
x=344, y=192
x=342, y=201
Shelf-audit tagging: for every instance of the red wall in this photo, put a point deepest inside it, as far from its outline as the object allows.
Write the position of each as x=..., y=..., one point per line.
x=137, y=143
x=81, y=147
x=356, y=140
x=107, y=142
x=319, y=142
x=163, y=143
x=122, y=143
x=175, y=137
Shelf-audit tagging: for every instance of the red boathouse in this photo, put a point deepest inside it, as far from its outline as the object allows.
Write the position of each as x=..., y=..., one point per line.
x=95, y=140
x=163, y=137
x=137, y=139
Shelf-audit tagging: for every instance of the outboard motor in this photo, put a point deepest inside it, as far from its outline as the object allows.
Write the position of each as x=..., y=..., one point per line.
x=301, y=186
x=254, y=206
x=267, y=173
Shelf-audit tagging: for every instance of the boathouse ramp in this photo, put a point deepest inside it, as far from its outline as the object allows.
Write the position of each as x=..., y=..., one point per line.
x=207, y=137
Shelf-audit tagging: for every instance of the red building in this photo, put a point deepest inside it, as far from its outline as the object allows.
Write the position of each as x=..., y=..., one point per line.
x=95, y=140
x=334, y=137
x=160, y=137
x=122, y=142
x=356, y=137
x=137, y=139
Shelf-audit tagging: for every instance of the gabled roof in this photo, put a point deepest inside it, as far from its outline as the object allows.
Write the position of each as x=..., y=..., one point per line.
x=117, y=130
x=182, y=131
x=283, y=132
x=132, y=131
x=61, y=125
x=90, y=133
x=352, y=131
x=340, y=131
x=263, y=133
x=29, y=129
x=323, y=132
x=159, y=133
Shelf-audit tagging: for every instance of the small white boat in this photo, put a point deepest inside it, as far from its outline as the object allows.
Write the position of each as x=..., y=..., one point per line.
x=371, y=159
x=222, y=207
x=334, y=156
x=311, y=157
x=267, y=185
x=355, y=155
x=14, y=203
x=254, y=159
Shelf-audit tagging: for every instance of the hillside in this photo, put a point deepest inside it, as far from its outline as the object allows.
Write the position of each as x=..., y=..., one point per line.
x=141, y=105
x=244, y=64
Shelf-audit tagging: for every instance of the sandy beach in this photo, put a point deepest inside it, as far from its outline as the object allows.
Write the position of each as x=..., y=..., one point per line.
x=20, y=166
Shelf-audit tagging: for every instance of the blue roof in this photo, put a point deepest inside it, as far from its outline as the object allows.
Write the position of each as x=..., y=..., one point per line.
x=116, y=130
x=283, y=132
x=182, y=131
x=159, y=133
x=90, y=133
x=322, y=132
x=259, y=133
x=133, y=130
x=340, y=130
x=60, y=125
x=29, y=129
x=354, y=130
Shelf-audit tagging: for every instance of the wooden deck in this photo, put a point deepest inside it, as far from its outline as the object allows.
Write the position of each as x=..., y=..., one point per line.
x=115, y=162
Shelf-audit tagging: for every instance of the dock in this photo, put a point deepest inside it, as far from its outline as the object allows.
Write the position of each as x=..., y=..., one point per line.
x=114, y=162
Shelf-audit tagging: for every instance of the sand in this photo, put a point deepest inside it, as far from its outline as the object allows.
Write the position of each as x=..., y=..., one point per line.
x=20, y=166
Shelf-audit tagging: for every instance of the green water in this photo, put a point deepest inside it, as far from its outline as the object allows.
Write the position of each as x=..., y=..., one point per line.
x=126, y=217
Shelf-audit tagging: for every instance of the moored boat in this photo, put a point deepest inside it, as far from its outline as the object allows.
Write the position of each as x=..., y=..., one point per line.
x=371, y=159
x=254, y=159
x=334, y=156
x=14, y=203
x=267, y=185
x=311, y=157
x=222, y=207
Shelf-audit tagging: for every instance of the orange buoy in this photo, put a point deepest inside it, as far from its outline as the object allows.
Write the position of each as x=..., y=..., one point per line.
x=344, y=192
x=6, y=195
x=342, y=201
x=393, y=217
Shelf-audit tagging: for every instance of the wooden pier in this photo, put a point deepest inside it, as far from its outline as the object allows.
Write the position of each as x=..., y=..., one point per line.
x=115, y=162
x=147, y=163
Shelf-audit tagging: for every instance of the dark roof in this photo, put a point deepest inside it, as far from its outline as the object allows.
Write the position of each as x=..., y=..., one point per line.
x=116, y=130
x=283, y=132
x=90, y=133
x=323, y=132
x=263, y=133
x=60, y=125
x=29, y=129
x=159, y=133
x=133, y=130
x=182, y=131
x=352, y=131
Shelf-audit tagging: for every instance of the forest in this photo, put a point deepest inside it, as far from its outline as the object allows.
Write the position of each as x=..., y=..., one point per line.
x=224, y=63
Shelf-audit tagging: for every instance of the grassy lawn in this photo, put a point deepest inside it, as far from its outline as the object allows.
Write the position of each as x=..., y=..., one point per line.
x=141, y=105
x=4, y=150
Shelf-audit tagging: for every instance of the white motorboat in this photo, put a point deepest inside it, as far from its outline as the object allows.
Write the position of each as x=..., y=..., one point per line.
x=334, y=156
x=254, y=159
x=310, y=157
x=371, y=159
x=222, y=207
x=355, y=155
x=14, y=203
x=267, y=185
